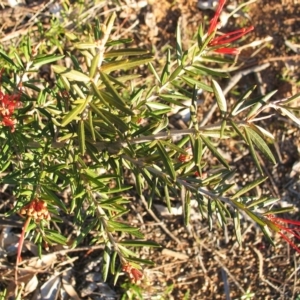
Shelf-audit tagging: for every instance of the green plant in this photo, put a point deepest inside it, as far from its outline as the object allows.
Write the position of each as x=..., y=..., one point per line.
x=100, y=118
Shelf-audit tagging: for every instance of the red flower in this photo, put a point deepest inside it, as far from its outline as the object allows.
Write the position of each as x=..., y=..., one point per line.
x=229, y=37
x=214, y=21
x=284, y=229
x=187, y=156
x=133, y=273
x=225, y=38
x=37, y=209
x=8, y=104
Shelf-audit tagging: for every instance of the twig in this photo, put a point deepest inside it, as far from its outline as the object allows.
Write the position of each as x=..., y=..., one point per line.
x=260, y=273
x=66, y=251
x=226, y=286
x=162, y=225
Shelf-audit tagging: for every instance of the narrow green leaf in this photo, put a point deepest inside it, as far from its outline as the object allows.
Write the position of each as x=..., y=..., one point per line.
x=197, y=150
x=291, y=99
x=106, y=260
x=255, y=218
x=116, y=99
x=239, y=105
x=166, y=160
x=237, y=226
x=46, y=59
x=176, y=73
x=187, y=208
x=167, y=197
x=261, y=101
x=202, y=70
x=53, y=197
x=262, y=202
x=166, y=70
x=153, y=71
x=178, y=43
x=252, y=150
x=215, y=152
x=125, y=52
x=261, y=144
x=223, y=127
x=140, y=261
x=71, y=115
x=91, y=125
x=70, y=74
x=113, y=263
x=220, y=214
x=161, y=125
x=125, y=64
x=221, y=101
x=290, y=115
x=249, y=187
x=81, y=136
x=157, y=105
x=54, y=236
x=192, y=82
x=137, y=243
x=7, y=58
x=114, y=119
x=237, y=130
x=19, y=60
x=94, y=65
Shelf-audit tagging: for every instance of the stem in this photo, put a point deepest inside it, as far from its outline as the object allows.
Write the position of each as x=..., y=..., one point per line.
x=21, y=241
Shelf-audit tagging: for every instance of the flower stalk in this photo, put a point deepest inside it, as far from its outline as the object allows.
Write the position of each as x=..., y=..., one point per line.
x=36, y=210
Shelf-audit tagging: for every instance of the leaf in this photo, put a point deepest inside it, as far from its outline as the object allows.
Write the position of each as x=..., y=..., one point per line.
x=81, y=137
x=53, y=197
x=137, y=243
x=153, y=71
x=125, y=64
x=261, y=144
x=259, y=103
x=178, y=43
x=291, y=99
x=158, y=108
x=215, y=152
x=71, y=115
x=70, y=74
x=197, y=150
x=249, y=187
x=94, y=65
x=221, y=101
x=202, y=70
x=192, y=82
x=116, y=99
x=54, y=236
x=252, y=150
x=290, y=115
x=237, y=226
x=239, y=105
x=46, y=59
x=166, y=70
x=166, y=160
x=187, y=208
x=167, y=197
x=106, y=260
x=7, y=58
x=125, y=52
x=175, y=73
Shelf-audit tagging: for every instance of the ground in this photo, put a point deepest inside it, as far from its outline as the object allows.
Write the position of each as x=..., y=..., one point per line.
x=195, y=262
